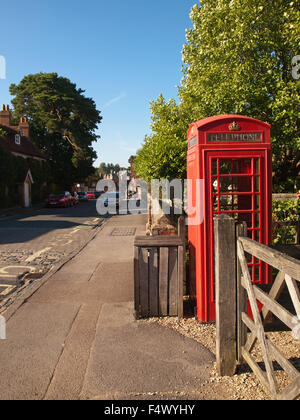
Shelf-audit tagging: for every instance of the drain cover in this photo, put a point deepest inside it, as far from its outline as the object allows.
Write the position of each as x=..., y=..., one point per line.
x=123, y=232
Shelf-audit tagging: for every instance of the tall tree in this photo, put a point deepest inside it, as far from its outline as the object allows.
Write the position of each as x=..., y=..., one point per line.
x=238, y=59
x=62, y=120
x=108, y=169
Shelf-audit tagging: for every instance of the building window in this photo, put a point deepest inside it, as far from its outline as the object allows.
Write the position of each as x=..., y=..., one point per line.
x=18, y=139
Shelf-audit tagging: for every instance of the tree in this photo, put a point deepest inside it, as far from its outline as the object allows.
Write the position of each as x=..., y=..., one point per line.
x=238, y=59
x=106, y=169
x=62, y=121
x=163, y=154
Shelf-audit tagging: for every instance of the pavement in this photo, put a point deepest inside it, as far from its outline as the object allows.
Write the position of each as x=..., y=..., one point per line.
x=76, y=338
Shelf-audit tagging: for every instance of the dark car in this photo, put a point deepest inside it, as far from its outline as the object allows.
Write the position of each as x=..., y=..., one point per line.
x=82, y=196
x=63, y=199
x=98, y=194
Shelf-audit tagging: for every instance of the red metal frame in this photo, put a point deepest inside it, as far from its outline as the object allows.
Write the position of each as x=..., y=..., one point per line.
x=245, y=164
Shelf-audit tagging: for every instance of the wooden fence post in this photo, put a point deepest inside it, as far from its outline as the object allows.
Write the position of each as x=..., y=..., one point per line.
x=241, y=231
x=225, y=275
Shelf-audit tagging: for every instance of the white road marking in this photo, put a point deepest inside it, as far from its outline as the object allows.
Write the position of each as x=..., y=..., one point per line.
x=8, y=289
x=75, y=231
x=37, y=254
x=4, y=270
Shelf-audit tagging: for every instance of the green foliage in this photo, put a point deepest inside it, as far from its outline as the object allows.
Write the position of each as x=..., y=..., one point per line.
x=108, y=168
x=7, y=168
x=12, y=169
x=237, y=60
x=163, y=154
x=284, y=211
x=62, y=122
x=2, y=132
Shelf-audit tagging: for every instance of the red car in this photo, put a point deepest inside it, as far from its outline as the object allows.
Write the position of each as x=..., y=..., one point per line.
x=91, y=195
x=63, y=199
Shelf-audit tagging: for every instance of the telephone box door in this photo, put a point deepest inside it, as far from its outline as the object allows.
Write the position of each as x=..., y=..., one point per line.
x=235, y=187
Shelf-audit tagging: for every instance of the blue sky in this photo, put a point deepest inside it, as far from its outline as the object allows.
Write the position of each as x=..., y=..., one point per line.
x=122, y=53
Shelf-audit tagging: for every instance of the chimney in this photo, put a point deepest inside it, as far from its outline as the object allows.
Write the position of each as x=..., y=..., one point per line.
x=5, y=117
x=24, y=127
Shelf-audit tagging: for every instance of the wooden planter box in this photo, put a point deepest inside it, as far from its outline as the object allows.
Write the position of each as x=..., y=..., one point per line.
x=158, y=276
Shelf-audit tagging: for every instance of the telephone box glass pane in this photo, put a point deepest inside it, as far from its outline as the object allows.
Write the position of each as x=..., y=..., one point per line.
x=236, y=191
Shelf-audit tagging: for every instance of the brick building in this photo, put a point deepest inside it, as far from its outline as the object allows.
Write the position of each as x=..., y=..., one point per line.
x=16, y=140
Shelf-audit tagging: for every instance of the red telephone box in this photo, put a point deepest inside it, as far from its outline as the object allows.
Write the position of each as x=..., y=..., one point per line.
x=232, y=156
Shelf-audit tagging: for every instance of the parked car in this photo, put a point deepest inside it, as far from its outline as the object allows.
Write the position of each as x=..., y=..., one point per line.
x=75, y=198
x=82, y=196
x=63, y=199
x=91, y=195
x=112, y=198
x=98, y=193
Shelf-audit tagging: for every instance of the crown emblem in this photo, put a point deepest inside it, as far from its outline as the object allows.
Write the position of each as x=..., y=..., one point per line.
x=234, y=126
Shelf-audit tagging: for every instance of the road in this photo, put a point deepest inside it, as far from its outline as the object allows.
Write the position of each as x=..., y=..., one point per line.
x=30, y=245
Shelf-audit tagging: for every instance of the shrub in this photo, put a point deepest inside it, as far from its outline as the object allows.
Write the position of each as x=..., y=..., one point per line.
x=284, y=211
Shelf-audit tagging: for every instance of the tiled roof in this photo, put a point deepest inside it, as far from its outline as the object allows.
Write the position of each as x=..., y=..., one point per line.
x=26, y=147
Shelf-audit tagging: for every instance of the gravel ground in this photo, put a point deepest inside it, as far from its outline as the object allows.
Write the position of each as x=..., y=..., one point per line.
x=244, y=385
x=19, y=257
x=37, y=267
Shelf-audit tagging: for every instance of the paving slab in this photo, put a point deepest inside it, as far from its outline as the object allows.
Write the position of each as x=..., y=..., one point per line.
x=132, y=357
x=35, y=341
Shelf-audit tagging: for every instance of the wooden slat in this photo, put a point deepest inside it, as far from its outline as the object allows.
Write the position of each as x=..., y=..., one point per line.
x=182, y=235
x=157, y=241
x=163, y=281
x=284, y=363
x=136, y=282
x=256, y=369
x=181, y=273
x=173, y=281
x=153, y=282
x=291, y=392
x=144, y=283
x=282, y=262
x=275, y=292
x=250, y=324
x=294, y=293
x=284, y=315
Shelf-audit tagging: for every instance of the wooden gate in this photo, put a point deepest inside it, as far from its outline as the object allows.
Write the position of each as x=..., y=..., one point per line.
x=234, y=288
x=289, y=275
